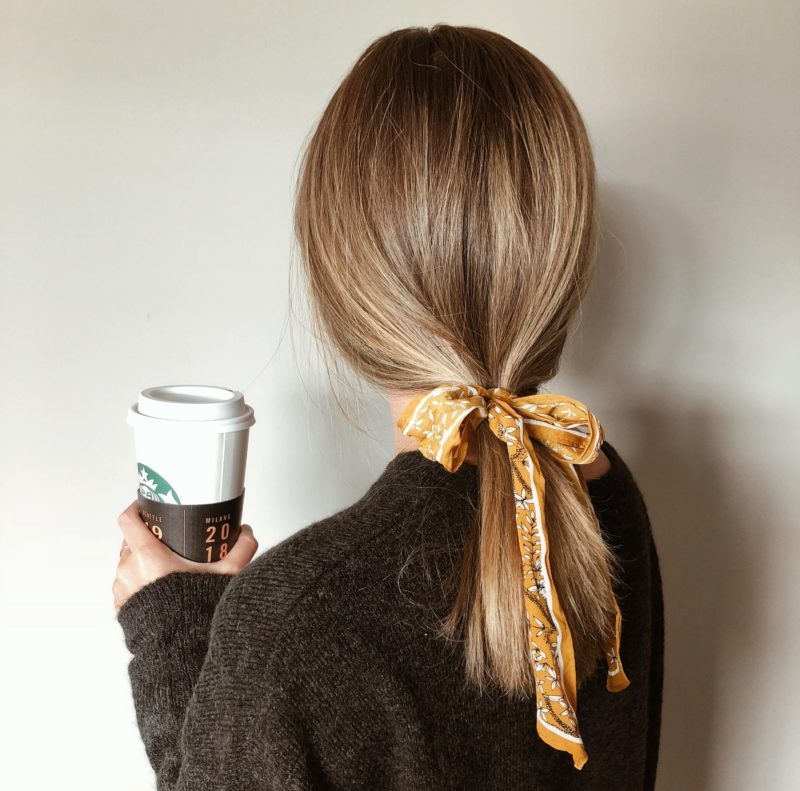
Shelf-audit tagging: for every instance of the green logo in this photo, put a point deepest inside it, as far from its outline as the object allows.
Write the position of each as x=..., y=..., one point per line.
x=154, y=487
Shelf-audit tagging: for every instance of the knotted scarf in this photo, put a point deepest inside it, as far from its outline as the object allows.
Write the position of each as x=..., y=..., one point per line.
x=573, y=434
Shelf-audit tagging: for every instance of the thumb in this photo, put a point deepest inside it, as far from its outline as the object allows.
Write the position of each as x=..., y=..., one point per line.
x=135, y=531
x=242, y=552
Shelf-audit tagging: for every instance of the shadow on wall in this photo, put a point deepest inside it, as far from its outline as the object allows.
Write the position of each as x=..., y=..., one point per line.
x=643, y=315
x=706, y=563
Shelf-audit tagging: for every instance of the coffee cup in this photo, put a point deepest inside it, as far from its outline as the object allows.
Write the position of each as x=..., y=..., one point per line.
x=191, y=452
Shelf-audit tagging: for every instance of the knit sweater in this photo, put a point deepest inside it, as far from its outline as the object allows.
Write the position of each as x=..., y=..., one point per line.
x=317, y=666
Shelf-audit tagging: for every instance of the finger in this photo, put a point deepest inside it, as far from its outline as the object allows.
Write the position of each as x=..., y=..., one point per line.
x=242, y=552
x=136, y=533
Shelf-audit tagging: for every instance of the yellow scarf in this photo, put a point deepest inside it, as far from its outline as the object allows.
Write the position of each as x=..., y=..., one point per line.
x=574, y=435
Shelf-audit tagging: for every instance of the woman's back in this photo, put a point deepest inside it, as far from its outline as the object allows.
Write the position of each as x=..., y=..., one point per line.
x=318, y=665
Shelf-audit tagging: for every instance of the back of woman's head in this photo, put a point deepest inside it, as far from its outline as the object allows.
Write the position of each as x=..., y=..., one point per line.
x=445, y=217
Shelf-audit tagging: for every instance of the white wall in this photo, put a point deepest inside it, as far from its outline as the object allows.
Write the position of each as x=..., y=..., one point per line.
x=147, y=152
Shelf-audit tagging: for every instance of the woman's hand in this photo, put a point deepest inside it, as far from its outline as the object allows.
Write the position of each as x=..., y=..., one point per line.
x=143, y=558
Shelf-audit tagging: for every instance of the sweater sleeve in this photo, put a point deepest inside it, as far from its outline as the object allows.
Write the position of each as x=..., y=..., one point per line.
x=211, y=712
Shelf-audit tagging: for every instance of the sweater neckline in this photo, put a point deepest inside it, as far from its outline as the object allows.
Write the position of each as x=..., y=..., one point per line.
x=415, y=469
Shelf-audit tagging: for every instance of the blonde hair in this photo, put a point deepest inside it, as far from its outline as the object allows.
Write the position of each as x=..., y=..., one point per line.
x=445, y=215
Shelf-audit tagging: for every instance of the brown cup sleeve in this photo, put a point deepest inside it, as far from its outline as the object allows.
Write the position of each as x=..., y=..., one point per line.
x=204, y=533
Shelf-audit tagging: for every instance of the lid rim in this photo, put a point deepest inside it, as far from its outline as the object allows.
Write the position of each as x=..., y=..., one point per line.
x=227, y=425
x=193, y=405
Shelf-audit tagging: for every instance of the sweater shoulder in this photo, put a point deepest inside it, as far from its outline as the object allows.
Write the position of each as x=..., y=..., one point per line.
x=279, y=588
x=618, y=487
x=411, y=491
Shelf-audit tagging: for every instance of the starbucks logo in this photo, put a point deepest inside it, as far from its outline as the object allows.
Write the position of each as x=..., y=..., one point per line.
x=154, y=487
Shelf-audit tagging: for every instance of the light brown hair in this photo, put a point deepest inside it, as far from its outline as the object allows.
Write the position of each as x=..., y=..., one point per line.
x=445, y=215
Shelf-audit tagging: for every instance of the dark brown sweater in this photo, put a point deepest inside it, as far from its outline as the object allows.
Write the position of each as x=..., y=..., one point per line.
x=316, y=667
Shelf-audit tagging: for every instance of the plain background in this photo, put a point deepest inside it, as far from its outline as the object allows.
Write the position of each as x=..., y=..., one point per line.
x=146, y=173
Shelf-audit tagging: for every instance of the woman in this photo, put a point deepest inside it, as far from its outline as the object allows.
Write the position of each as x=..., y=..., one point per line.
x=456, y=628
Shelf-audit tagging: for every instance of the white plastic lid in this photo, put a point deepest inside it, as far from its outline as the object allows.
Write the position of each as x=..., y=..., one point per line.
x=199, y=406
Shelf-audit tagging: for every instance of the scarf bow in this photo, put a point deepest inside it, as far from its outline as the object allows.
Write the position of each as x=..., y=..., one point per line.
x=573, y=434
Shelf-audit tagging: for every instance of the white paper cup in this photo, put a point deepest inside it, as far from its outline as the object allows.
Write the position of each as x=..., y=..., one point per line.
x=191, y=451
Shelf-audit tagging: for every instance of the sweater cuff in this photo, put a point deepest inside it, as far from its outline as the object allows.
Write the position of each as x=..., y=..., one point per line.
x=179, y=602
